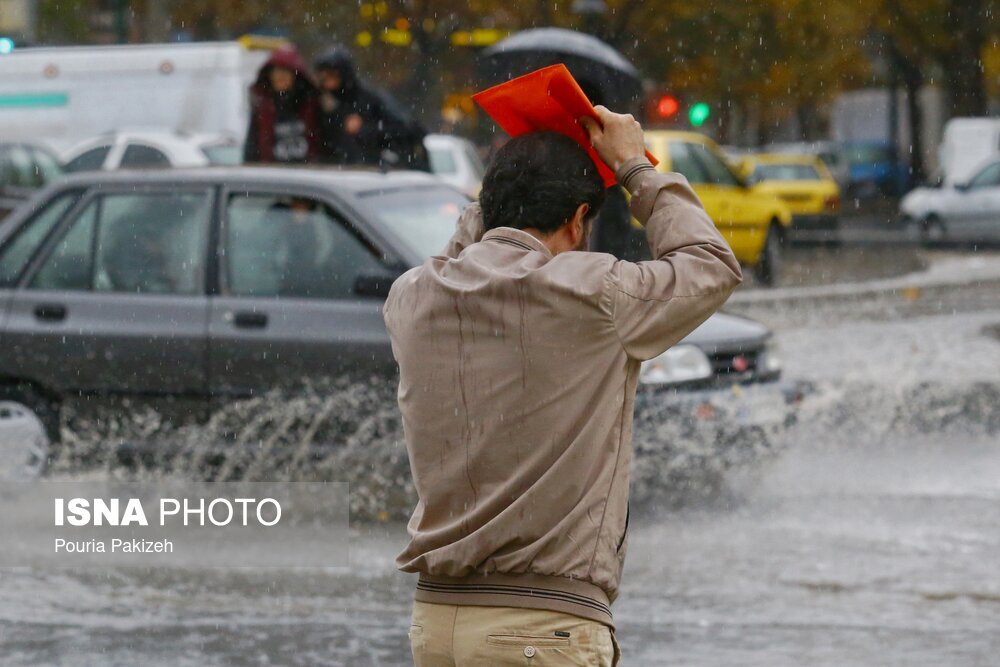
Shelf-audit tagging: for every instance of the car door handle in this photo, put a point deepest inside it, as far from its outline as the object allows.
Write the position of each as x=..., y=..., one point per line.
x=50, y=312
x=248, y=319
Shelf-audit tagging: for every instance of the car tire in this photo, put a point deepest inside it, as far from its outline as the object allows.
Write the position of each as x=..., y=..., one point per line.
x=42, y=405
x=933, y=231
x=768, y=269
x=29, y=424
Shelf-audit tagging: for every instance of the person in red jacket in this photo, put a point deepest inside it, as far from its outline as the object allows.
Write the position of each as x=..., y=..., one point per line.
x=283, y=112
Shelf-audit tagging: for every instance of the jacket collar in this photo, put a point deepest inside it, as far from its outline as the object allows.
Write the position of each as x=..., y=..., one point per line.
x=517, y=237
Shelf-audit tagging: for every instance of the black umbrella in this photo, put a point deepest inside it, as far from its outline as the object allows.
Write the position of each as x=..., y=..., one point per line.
x=603, y=73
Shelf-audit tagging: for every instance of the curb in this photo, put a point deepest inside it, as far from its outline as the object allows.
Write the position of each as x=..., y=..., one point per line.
x=948, y=273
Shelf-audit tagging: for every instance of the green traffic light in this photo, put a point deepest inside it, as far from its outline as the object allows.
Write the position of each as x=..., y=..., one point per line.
x=699, y=113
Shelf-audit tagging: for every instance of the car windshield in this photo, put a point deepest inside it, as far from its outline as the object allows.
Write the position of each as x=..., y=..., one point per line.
x=786, y=172
x=227, y=154
x=442, y=161
x=868, y=154
x=424, y=218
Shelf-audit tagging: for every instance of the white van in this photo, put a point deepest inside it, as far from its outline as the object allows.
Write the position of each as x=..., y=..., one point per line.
x=63, y=95
x=967, y=144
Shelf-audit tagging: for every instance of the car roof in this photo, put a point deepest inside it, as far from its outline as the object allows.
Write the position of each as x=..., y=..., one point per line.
x=24, y=144
x=867, y=143
x=665, y=135
x=162, y=136
x=804, y=146
x=165, y=133
x=784, y=158
x=445, y=139
x=352, y=180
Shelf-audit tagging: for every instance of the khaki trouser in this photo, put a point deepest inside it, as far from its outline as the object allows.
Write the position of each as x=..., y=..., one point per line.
x=444, y=635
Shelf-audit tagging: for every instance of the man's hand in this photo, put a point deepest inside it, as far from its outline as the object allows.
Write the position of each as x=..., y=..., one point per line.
x=617, y=138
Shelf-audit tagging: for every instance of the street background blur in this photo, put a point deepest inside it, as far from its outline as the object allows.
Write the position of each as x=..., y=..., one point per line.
x=769, y=70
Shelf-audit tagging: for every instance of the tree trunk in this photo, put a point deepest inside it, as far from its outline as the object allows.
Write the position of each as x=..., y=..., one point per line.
x=966, y=89
x=157, y=21
x=913, y=80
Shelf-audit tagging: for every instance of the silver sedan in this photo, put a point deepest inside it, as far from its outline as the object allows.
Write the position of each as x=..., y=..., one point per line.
x=967, y=211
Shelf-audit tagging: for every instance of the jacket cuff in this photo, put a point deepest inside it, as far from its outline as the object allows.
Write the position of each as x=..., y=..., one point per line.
x=630, y=171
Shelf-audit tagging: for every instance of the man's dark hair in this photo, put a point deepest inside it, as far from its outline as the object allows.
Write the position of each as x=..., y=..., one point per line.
x=538, y=180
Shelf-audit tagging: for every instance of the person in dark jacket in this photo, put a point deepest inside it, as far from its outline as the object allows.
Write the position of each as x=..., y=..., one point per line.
x=283, y=112
x=614, y=232
x=359, y=125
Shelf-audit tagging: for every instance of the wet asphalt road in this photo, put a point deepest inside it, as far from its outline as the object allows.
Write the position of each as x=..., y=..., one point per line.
x=871, y=538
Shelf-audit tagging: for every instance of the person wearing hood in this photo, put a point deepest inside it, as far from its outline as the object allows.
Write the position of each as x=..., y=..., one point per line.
x=283, y=112
x=359, y=125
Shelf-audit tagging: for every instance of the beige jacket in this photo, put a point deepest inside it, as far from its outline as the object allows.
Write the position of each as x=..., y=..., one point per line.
x=518, y=373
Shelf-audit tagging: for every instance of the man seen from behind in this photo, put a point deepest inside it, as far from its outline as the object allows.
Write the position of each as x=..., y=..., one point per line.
x=519, y=356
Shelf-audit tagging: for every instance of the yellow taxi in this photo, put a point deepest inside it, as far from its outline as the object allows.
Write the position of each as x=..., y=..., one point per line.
x=752, y=221
x=801, y=181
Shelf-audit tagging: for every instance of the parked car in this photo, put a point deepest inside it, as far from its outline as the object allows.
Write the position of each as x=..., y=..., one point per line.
x=455, y=161
x=24, y=169
x=135, y=149
x=198, y=286
x=968, y=211
x=832, y=153
x=753, y=222
x=876, y=171
x=802, y=182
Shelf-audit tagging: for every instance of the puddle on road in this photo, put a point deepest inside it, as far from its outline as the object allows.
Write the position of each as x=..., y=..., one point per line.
x=806, y=265
x=863, y=533
x=859, y=552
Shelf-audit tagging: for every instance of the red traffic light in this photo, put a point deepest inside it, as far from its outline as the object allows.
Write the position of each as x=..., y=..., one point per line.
x=667, y=106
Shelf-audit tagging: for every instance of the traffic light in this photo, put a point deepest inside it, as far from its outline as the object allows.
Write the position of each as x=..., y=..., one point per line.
x=698, y=114
x=6, y=45
x=667, y=106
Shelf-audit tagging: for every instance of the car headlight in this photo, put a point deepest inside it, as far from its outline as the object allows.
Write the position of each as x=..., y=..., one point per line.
x=681, y=363
x=768, y=361
x=911, y=204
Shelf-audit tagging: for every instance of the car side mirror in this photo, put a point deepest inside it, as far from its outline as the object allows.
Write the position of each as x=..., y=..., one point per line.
x=375, y=285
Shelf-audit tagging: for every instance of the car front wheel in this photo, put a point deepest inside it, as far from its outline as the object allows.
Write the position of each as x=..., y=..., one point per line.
x=932, y=231
x=769, y=266
x=24, y=443
x=29, y=424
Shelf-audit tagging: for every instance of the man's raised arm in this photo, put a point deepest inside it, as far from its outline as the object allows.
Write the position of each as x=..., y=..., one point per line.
x=657, y=303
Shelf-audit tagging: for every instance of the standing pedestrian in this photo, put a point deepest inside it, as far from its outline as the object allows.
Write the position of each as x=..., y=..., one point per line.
x=360, y=125
x=614, y=232
x=519, y=359
x=283, y=112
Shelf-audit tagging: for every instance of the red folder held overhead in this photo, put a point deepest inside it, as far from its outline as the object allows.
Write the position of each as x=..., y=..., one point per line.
x=546, y=99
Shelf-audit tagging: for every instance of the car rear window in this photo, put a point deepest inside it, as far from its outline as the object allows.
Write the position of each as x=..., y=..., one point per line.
x=867, y=155
x=89, y=160
x=142, y=156
x=424, y=218
x=786, y=172
x=15, y=255
x=225, y=154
